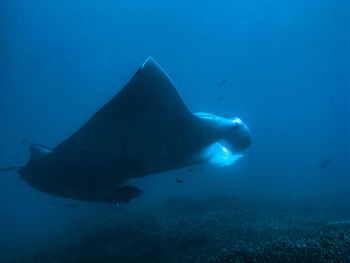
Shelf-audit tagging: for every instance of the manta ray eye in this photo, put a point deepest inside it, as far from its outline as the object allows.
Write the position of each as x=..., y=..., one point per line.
x=236, y=122
x=235, y=126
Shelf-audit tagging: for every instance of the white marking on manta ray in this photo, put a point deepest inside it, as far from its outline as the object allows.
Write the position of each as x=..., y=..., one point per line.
x=218, y=154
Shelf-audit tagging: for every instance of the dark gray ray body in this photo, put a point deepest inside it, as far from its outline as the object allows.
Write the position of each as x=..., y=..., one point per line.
x=145, y=129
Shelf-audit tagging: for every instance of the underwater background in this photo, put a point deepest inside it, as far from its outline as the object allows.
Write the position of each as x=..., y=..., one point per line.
x=281, y=66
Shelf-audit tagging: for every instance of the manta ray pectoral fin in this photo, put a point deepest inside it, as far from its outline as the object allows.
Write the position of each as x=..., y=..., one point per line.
x=141, y=123
x=125, y=194
x=218, y=154
x=37, y=151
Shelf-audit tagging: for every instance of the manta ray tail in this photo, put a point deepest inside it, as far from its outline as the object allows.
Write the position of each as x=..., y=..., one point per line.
x=9, y=169
x=36, y=152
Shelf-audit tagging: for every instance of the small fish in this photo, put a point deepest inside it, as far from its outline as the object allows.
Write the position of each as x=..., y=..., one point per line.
x=236, y=199
x=325, y=163
x=222, y=82
x=72, y=205
x=330, y=98
x=171, y=201
x=200, y=168
x=25, y=140
x=179, y=181
x=220, y=98
x=117, y=205
x=324, y=73
x=190, y=170
x=314, y=44
x=52, y=203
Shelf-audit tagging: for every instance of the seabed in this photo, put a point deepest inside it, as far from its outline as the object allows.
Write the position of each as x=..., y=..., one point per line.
x=216, y=230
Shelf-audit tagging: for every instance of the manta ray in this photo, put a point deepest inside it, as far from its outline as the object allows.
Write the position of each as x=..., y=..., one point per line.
x=144, y=129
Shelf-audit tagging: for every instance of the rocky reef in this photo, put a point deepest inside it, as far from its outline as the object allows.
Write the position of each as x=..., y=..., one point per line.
x=219, y=230
x=331, y=244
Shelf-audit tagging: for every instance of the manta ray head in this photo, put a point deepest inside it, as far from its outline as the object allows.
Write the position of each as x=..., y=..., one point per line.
x=232, y=130
x=236, y=133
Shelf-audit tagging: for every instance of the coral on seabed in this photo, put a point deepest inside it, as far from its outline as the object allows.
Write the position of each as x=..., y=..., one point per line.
x=219, y=230
x=331, y=245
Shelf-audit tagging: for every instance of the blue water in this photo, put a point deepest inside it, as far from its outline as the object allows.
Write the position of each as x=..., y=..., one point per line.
x=281, y=66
